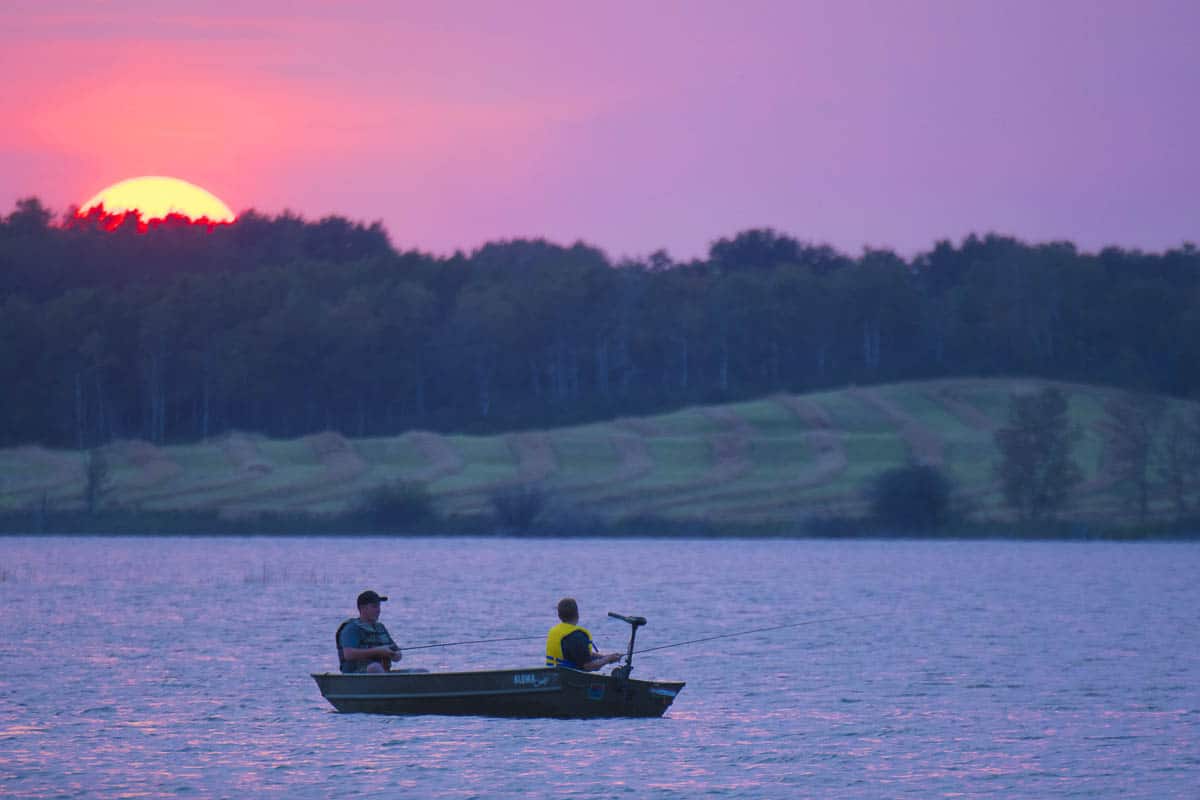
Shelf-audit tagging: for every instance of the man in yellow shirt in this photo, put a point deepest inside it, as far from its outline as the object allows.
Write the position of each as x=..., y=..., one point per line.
x=568, y=645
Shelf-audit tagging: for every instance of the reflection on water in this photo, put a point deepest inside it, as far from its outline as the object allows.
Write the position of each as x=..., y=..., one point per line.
x=1006, y=669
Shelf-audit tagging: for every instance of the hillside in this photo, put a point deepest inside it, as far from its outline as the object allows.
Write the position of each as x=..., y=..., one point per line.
x=774, y=460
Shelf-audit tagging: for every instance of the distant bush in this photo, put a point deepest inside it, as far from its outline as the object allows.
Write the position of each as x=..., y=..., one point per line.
x=910, y=498
x=518, y=507
x=96, y=480
x=398, y=505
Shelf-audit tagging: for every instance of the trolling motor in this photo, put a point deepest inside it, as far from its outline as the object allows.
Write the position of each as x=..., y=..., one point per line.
x=622, y=672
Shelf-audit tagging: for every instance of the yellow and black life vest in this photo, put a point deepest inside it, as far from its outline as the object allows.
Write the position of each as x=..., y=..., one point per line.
x=554, y=640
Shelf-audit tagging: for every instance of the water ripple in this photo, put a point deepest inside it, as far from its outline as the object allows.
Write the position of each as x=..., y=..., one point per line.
x=1008, y=669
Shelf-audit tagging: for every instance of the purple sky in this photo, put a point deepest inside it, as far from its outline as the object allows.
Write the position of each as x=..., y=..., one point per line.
x=630, y=125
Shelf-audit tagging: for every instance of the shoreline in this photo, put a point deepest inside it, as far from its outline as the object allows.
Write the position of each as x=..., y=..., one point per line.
x=207, y=524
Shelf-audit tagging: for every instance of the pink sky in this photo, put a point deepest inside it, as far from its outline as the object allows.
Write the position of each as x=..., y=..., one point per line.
x=630, y=125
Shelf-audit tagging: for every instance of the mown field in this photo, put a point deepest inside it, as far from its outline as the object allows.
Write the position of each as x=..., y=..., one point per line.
x=775, y=460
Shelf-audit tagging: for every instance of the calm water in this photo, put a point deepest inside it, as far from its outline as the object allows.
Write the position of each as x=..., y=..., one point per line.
x=144, y=667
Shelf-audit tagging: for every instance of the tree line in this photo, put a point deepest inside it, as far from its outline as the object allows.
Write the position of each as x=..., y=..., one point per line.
x=287, y=326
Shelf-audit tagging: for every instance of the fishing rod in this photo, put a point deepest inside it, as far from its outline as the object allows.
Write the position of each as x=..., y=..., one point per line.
x=473, y=641
x=763, y=630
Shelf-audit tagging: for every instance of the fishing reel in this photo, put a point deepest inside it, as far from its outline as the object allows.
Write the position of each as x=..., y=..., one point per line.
x=621, y=673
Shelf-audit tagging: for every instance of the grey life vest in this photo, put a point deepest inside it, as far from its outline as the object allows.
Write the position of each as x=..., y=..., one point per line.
x=369, y=636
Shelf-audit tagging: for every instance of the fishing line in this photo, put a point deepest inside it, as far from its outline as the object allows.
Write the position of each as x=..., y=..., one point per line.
x=661, y=646
x=762, y=630
x=473, y=641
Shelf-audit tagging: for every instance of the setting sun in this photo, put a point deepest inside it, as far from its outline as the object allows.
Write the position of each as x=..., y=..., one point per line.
x=155, y=197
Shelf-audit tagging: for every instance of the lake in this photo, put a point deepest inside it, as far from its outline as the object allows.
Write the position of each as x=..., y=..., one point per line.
x=142, y=667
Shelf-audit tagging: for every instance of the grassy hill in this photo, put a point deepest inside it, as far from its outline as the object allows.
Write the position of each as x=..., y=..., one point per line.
x=776, y=461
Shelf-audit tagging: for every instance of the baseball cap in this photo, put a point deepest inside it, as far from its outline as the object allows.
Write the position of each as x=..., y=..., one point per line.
x=370, y=597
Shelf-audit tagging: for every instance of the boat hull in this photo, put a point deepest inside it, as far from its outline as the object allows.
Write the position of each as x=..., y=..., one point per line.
x=536, y=692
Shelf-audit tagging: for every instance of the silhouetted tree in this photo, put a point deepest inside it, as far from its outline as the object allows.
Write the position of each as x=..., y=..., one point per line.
x=757, y=249
x=1178, y=458
x=96, y=477
x=1131, y=431
x=1036, y=469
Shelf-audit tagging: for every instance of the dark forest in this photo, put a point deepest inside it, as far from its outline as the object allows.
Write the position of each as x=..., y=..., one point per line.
x=285, y=326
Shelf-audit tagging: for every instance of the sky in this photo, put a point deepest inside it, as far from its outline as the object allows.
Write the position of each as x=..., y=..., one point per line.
x=632, y=126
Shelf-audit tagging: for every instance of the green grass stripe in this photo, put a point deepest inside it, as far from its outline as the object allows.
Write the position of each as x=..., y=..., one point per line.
x=487, y=460
x=849, y=413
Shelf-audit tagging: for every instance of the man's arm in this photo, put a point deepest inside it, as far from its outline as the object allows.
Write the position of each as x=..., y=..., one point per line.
x=351, y=652
x=601, y=660
x=358, y=654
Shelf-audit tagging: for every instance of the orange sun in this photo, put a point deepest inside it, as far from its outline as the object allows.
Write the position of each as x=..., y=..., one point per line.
x=155, y=198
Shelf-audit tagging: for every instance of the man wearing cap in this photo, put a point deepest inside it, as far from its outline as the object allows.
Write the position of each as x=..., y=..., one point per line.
x=364, y=644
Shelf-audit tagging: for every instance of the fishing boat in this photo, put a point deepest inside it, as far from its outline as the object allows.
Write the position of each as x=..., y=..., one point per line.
x=535, y=692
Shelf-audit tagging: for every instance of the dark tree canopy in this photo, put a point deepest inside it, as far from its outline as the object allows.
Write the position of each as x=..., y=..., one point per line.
x=288, y=326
